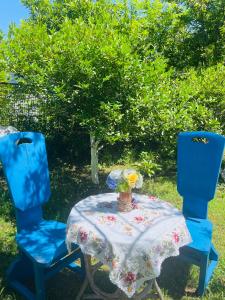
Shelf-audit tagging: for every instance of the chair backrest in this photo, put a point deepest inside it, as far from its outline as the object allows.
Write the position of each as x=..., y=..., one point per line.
x=199, y=160
x=24, y=160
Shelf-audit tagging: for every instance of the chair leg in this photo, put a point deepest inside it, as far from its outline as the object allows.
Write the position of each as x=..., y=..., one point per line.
x=202, y=276
x=83, y=270
x=208, y=264
x=213, y=255
x=80, y=268
x=18, y=275
x=39, y=282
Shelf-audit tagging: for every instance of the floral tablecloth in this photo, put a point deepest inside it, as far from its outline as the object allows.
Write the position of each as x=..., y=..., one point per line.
x=7, y=130
x=132, y=244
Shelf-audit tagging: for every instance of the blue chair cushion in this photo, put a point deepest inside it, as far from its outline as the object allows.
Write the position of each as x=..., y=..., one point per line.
x=44, y=243
x=201, y=233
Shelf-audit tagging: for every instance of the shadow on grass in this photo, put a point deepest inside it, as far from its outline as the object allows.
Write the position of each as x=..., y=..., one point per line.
x=70, y=185
x=174, y=277
x=6, y=257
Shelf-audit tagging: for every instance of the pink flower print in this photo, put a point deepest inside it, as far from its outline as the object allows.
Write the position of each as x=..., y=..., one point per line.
x=130, y=277
x=139, y=219
x=151, y=197
x=176, y=237
x=111, y=218
x=83, y=235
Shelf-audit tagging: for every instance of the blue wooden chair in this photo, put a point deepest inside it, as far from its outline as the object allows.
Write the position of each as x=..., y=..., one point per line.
x=198, y=160
x=42, y=248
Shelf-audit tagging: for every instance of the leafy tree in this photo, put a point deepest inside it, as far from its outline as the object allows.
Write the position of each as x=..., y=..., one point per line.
x=4, y=87
x=86, y=63
x=203, y=43
x=123, y=71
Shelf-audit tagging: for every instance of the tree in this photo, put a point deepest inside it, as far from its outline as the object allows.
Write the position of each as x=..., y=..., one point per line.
x=203, y=42
x=4, y=87
x=120, y=70
x=84, y=60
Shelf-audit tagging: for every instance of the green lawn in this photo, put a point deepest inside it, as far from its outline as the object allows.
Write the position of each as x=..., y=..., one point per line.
x=178, y=280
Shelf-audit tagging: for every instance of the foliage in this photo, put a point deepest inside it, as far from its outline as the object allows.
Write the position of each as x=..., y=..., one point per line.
x=89, y=76
x=147, y=164
x=203, y=42
x=135, y=73
x=5, y=90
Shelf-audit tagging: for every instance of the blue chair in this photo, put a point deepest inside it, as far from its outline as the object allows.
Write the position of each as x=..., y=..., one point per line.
x=199, y=159
x=41, y=243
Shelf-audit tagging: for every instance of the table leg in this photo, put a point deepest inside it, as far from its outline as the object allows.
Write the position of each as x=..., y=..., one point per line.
x=158, y=290
x=118, y=294
x=145, y=293
x=83, y=288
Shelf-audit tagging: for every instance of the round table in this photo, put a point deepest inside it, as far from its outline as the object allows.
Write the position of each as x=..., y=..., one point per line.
x=133, y=244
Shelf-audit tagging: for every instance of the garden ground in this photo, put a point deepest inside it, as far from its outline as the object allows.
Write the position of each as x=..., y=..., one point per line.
x=69, y=184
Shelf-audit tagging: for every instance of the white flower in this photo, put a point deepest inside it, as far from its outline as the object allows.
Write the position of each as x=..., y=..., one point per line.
x=139, y=182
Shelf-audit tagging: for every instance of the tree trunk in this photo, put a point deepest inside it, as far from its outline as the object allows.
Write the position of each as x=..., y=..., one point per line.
x=94, y=159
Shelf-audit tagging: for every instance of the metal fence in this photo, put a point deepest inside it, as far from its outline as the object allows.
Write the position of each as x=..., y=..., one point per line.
x=19, y=109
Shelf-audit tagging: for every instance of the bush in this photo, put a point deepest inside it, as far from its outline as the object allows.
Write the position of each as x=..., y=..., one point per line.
x=115, y=71
x=147, y=164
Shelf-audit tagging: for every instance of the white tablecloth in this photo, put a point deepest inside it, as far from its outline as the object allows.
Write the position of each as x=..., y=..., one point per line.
x=7, y=130
x=132, y=244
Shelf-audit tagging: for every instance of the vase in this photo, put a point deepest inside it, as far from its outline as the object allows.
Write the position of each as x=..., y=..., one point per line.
x=125, y=201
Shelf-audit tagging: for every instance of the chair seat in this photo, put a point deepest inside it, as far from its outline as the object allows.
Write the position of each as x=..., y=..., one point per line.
x=201, y=233
x=44, y=243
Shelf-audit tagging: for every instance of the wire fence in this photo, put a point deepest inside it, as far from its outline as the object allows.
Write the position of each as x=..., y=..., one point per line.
x=26, y=112
x=20, y=109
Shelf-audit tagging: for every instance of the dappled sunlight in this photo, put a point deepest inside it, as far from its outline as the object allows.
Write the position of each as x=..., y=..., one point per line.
x=69, y=186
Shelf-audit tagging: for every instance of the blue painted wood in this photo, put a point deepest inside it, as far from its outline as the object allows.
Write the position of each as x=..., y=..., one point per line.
x=41, y=243
x=199, y=158
x=198, y=170
x=19, y=274
x=28, y=218
x=39, y=281
x=24, y=160
x=44, y=243
x=201, y=232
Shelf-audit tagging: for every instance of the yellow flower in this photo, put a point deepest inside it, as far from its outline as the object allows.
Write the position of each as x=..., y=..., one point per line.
x=132, y=179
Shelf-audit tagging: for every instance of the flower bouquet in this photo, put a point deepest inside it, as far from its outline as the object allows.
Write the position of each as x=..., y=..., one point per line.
x=123, y=181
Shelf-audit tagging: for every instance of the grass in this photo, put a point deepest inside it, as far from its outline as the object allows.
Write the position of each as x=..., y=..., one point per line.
x=70, y=184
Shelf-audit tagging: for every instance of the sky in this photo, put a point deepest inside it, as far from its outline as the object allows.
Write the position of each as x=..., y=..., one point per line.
x=11, y=11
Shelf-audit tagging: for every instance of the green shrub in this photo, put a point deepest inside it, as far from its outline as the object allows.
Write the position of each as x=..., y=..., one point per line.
x=121, y=73
x=147, y=164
